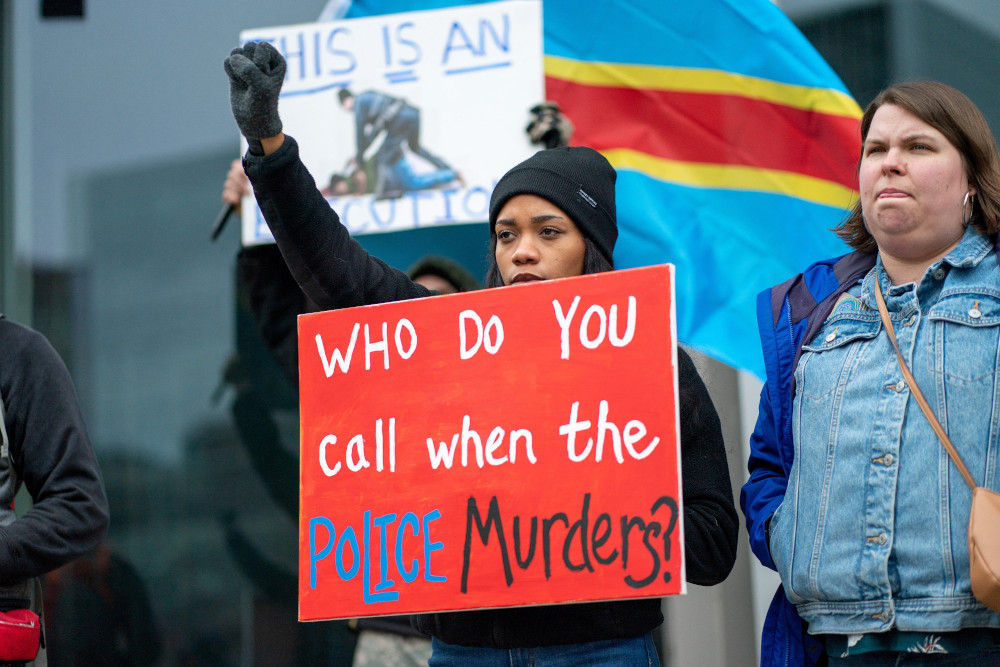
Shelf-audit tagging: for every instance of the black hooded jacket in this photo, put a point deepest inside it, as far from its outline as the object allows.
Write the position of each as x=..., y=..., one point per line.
x=334, y=271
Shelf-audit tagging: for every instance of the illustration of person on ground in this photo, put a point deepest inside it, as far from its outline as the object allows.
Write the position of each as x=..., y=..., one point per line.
x=351, y=180
x=376, y=113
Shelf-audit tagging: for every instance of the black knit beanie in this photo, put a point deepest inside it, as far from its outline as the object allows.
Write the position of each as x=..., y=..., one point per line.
x=577, y=179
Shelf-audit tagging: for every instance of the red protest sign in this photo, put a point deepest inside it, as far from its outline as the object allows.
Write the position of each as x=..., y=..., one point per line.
x=505, y=447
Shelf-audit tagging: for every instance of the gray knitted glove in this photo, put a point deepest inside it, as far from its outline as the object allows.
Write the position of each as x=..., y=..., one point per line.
x=256, y=71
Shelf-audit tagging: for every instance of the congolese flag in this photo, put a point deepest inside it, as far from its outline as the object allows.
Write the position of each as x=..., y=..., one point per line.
x=735, y=145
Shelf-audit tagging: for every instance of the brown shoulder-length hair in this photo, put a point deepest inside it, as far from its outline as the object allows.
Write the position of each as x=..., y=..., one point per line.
x=955, y=116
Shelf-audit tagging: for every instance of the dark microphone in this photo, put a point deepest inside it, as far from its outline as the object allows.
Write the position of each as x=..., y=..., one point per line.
x=220, y=222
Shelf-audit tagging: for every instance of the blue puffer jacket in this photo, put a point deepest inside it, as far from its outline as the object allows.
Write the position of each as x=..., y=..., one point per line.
x=788, y=315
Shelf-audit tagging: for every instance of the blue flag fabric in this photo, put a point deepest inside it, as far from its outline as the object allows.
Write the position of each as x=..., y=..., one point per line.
x=735, y=143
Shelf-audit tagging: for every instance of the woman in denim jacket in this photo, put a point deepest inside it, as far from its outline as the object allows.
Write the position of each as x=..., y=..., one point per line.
x=851, y=497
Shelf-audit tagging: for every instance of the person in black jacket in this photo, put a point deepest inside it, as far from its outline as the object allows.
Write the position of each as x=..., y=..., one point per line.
x=44, y=447
x=551, y=216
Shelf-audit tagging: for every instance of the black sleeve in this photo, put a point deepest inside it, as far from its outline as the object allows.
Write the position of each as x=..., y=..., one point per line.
x=711, y=525
x=331, y=267
x=51, y=452
x=275, y=301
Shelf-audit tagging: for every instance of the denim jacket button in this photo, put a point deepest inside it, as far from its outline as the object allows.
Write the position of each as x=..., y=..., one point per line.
x=939, y=274
x=900, y=386
x=831, y=336
x=885, y=616
x=975, y=314
x=888, y=459
x=910, y=320
x=882, y=539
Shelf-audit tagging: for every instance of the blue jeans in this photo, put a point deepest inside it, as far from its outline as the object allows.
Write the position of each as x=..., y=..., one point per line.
x=609, y=653
x=985, y=658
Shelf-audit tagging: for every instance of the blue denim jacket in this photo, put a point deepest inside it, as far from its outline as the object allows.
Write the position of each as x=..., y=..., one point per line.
x=872, y=531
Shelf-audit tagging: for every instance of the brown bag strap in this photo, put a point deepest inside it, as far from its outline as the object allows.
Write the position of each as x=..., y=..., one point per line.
x=917, y=394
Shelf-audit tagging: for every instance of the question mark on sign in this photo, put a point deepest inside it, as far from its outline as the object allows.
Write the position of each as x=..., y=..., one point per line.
x=672, y=505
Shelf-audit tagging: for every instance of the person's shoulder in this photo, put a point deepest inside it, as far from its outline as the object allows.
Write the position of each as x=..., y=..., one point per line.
x=15, y=338
x=817, y=271
x=820, y=279
x=23, y=347
x=687, y=370
x=683, y=358
x=842, y=267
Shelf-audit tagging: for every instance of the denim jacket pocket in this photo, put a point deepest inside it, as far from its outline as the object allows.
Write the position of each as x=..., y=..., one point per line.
x=966, y=332
x=832, y=349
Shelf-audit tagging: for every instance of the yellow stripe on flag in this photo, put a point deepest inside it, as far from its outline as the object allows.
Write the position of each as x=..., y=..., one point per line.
x=690, y=80
x=734, y=177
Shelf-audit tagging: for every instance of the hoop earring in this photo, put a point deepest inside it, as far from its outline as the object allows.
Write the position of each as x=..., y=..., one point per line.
x=970, y=199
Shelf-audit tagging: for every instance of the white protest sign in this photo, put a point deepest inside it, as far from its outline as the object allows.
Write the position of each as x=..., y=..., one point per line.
x=439, y=100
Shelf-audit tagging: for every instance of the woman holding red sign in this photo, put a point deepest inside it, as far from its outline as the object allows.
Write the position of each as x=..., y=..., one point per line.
x=552, y=216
